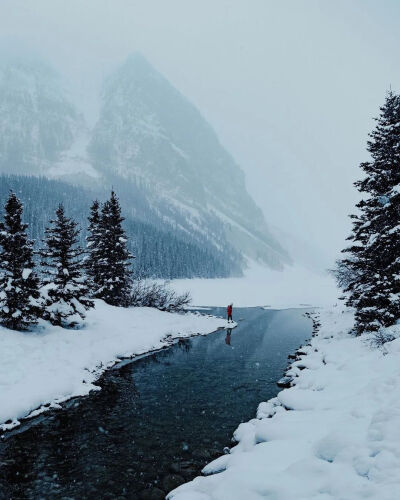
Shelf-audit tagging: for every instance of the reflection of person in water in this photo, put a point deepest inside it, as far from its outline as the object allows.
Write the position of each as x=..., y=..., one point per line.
x=228, y=336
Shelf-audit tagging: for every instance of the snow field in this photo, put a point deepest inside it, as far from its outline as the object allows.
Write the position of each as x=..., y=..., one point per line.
x=334, y=435
x=295, y=286
x=52, y=364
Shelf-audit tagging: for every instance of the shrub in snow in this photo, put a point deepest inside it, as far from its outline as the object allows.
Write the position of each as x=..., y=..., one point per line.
x=344, y=273
x=381, y=337
x=385, y=335
x=152, y=294
x=19, y=285
x=113, y=270
x=372, y=262
x=65, y=291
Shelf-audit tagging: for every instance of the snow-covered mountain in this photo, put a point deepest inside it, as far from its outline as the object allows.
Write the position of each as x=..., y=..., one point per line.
x=147, y=130
x=37, y=122
x=148, y=137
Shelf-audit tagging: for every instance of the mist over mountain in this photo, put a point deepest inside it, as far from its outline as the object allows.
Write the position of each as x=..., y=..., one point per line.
x=150, y=143
x=37, y=122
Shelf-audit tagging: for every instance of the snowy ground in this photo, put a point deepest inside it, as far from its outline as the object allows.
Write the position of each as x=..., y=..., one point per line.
x=53, y=365
x=293, y=287
x=335, y=435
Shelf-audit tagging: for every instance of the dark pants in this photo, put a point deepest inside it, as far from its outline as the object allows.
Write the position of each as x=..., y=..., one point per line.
x=230, y=317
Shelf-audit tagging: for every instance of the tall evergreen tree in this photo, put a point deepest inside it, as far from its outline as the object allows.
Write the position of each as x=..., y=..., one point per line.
x=19, y=284
x=115, y=277
x=374, y=256
x=65, y=289
x=92, y=261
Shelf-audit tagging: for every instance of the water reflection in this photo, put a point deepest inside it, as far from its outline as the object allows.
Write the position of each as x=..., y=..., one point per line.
x=228, y=336
x=157, y=421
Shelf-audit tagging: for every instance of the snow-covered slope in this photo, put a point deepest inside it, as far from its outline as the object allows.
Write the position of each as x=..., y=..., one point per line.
x=148, y=131
x=37, y=122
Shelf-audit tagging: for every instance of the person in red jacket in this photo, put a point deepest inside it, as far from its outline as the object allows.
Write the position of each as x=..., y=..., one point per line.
x=229, y=312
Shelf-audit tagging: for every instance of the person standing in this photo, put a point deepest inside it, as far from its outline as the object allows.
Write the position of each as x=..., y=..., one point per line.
x=229, y=310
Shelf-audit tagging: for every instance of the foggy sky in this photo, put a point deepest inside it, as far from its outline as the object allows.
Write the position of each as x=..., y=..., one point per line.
x=290, y=87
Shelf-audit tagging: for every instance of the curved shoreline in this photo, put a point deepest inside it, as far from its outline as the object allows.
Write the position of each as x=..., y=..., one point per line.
x=145, y=332
x=62, y=404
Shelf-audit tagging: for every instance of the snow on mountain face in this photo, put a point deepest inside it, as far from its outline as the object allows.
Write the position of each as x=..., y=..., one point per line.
x=148, y=131
x=37, y=123
x=148, y=137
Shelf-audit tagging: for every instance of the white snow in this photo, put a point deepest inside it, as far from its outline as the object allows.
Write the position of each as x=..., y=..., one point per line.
x=335, y=435
x=75, y=161
x=54, y=364
x=26, y=273
x=294, y=287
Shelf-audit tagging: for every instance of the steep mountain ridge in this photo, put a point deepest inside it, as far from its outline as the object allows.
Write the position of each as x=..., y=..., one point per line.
x=147, y=130
x=149, y=142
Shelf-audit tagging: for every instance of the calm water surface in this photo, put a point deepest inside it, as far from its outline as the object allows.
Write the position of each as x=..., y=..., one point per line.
x=157, y=421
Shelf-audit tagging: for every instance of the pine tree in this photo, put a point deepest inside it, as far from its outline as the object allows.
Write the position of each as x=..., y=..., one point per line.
x=92, y=261
x=19, y=284
x=115, y=277
x=65, y=290
x=374, y=257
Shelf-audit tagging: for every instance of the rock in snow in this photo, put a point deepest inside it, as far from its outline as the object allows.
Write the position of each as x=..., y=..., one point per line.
x=340, y=438
x=52, y=364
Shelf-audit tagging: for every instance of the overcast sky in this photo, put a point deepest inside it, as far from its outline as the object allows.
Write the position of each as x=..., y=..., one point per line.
x=291, y=87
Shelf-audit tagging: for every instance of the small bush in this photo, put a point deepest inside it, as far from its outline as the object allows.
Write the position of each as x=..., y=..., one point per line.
x=381, y=337
x=147, y=293
x=343, y=273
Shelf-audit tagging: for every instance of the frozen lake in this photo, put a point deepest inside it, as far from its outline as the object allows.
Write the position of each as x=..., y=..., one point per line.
x=157, y=421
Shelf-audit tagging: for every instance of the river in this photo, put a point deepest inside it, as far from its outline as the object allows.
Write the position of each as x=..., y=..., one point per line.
x=158, y=420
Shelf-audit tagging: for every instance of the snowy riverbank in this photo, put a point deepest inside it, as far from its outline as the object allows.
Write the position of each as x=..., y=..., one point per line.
x=341, y=439
x=52, y=365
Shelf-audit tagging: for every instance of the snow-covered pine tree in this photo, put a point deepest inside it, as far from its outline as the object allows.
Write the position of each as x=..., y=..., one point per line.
x=92, y=261
x=374, y=256
x=114, y=258
x=19, y=284
x=65, y=291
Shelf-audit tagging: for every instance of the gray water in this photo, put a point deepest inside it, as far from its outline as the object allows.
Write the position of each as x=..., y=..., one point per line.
x=157, y=421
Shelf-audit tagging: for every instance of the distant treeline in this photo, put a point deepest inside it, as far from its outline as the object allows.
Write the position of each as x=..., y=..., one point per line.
x=160, y=251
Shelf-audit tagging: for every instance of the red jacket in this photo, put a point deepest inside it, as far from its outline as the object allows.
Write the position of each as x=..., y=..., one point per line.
x=229, y=310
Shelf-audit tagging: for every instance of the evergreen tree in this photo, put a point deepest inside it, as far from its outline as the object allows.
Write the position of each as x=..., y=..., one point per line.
x=92, y=261
x=115, y=278
x=65, y=290
x=374, y=256
x=19, y=285
x=161, y=250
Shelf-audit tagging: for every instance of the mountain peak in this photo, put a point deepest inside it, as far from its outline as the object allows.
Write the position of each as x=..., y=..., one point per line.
x=138, y=59
x=135, y=72
x=149, y=132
